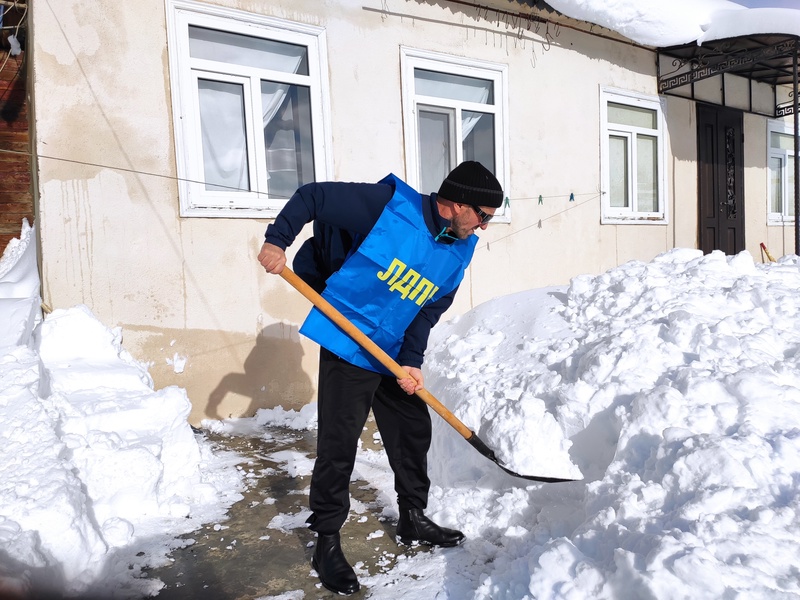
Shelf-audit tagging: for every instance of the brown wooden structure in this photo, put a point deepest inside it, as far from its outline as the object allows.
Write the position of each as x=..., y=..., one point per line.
x=16, y=190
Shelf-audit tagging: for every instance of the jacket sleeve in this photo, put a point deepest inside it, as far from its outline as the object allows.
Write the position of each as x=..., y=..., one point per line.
x=415, y=341
x=354, y=207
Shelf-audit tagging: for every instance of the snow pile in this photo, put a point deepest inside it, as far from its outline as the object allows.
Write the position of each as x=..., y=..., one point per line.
x=98, y=472
x=19, y=290
x=678, y=384
x=481, y=363
x=132, y=447
x=673, y=386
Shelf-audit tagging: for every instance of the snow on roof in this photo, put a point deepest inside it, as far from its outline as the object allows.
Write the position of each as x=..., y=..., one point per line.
x=735, y=23
x=661, y=24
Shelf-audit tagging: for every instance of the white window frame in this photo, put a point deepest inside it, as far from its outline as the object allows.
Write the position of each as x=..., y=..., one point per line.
x=410, y=59
x=622, y=215
x=782, y=218
x=195, y=200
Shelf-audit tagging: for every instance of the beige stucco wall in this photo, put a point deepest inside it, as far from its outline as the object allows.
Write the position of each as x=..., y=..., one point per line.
x=111, y=233
x=779, y=239
x=682, y=171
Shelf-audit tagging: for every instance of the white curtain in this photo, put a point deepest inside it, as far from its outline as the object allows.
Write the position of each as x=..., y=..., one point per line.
x=222, y=115
x=435, y=151
x=280, y=153
x=223, y=132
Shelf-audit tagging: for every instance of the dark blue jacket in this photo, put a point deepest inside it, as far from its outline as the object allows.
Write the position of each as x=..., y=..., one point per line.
x=343, y=215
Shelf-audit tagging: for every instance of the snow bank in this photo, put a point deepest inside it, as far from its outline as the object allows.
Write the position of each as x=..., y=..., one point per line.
x=677, y=384
x=479, y=365
x=19, y=289
x=98, y=471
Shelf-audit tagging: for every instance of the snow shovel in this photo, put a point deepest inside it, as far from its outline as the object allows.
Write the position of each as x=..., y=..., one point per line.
x=350, y=329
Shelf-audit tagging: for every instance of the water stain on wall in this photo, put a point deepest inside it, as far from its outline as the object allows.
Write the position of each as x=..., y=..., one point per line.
x=227, y=374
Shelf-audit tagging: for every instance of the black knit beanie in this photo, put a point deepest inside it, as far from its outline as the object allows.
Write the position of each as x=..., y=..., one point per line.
x=472, y=183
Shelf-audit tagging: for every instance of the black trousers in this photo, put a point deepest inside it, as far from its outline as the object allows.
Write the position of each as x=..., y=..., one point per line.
x=346, y=394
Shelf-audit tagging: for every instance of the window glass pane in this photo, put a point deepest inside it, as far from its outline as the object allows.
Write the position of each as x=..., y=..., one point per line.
x=247, y=51
x=453, y=87
x=435, y=148
x=477, y=129
x=790, y=184
x=222, y=124
x=646, y=173
x=287, y=137
x=783, y=141
x=632, y=116
x=775, y=187
x=618, y=171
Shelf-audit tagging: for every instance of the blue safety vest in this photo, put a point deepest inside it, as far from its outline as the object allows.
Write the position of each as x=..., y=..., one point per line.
x=383, y=285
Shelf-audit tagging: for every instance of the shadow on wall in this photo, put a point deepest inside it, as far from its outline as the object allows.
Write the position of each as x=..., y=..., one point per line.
x=273, y=374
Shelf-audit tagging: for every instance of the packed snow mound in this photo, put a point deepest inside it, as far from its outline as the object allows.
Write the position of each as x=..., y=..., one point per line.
x=94, y=460
x=479, y=366
x=99, y=472
x=677, y=383
x=19, y=289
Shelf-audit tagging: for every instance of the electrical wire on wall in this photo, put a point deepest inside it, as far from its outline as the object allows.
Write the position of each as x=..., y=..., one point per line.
x=572, y=203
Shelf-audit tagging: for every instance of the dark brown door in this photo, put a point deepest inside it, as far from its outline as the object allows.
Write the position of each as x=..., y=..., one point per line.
x=720, y=179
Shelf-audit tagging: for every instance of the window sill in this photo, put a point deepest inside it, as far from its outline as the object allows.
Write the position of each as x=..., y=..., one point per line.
x=643, y=220
x=230, y=213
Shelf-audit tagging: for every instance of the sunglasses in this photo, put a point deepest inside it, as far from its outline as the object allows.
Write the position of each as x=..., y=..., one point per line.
x=483, y=216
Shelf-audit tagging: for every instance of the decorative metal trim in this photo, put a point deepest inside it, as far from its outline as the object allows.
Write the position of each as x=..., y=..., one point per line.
x=702, y=70
x=729, y=205
x=782, y=110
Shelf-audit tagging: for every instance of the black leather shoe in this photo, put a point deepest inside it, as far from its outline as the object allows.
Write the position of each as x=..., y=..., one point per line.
x=414, y=526
x=334, y=571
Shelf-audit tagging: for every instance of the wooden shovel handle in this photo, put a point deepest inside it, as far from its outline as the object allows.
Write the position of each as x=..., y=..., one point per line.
x=380, y=355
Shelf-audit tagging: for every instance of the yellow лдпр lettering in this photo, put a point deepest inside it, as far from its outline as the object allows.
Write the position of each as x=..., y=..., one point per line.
x=397, y=266
x=411, y=286
x=405, y=285
x=429, y=288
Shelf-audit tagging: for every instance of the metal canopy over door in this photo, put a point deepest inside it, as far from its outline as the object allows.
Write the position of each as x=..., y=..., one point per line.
x=720, y=179
x=770, y=59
